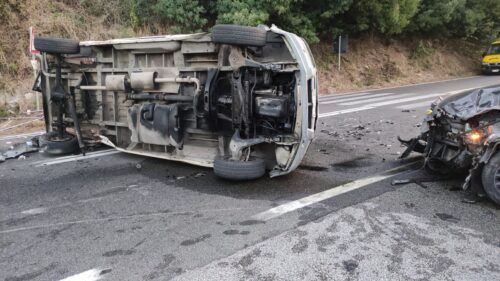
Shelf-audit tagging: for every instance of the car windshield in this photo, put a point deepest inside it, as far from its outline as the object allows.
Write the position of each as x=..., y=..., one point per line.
x=494, y=49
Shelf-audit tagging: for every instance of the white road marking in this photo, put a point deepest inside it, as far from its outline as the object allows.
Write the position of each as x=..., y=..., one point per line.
x=369, y=100
x=309, y=200
x=415, y=105
x=430, y=98
x=34, y=211
x=344, y=111
x=391, y=102
x=355, y=98
x=418, y=98
x=400, y=87
x=81, y=157
x=340, y=96
x=327, y=194
x=89, y=275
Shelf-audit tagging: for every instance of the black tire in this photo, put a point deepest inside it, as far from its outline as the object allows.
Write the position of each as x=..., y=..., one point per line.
x=239, y=35
x=491, y=178
x=51, y=144
x=239, y=170
x=57, y=45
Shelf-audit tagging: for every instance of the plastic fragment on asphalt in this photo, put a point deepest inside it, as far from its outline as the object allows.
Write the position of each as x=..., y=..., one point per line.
x=18, y=150
x=400, y=182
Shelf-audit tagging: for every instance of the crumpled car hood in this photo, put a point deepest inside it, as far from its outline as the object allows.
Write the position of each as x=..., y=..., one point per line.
x=471, y=103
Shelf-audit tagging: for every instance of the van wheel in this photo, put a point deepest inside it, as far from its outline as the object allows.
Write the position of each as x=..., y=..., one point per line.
x=239, y=170
x=50, y=143
x=239, y=35
x=57, y=45
x=491, y=178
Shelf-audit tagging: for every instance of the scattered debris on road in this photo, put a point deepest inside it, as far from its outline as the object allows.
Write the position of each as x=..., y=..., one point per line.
x=19, y=150
x=419, y=180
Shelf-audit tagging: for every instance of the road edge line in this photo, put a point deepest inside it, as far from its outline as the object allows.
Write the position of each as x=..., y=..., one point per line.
x=330, y=193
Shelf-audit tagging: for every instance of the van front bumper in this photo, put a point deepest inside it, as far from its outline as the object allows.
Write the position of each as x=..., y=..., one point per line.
x=491, y=68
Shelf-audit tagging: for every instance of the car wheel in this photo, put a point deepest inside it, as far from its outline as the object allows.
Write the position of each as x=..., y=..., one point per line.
x=239, y=170
x=491, y=178
x=57, y=45
x=239, y=35
x=50, y=143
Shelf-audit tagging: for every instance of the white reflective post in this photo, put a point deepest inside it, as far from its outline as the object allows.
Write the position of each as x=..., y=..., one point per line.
x=339, y=50
x=34, y=62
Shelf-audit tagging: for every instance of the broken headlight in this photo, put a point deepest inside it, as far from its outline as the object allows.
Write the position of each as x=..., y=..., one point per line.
x=474, y=137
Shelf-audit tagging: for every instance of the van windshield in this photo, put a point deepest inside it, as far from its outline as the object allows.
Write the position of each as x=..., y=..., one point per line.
x=494, y=49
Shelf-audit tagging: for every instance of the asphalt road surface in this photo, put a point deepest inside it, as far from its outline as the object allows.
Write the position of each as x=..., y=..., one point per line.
x=336, y=218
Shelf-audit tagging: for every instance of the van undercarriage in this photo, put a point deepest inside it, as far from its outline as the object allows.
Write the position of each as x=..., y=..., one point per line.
x=240, y=103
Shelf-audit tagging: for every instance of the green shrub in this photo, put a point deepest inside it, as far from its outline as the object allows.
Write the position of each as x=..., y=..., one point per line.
x=422, y=50
x=3, y=112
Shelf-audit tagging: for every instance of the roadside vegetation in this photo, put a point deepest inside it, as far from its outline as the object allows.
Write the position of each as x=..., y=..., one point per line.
x=391, y=41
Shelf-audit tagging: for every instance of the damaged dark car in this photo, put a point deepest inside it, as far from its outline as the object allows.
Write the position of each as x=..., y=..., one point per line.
x=461, y=134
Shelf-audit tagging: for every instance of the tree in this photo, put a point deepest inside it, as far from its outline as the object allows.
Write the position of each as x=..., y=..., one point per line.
x=179, y=16
x=328, y=17
x=315, y=19
x=284, y=13
x=434, y=16
x=383, y=16
x=478, y=19
x=242, y=12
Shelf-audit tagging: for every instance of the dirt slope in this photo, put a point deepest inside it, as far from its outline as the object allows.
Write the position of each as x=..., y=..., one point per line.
x=374, y=62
